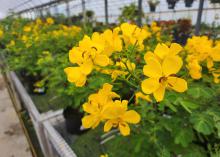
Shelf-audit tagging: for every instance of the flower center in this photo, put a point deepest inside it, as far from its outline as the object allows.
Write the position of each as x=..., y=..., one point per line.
x=163, y=79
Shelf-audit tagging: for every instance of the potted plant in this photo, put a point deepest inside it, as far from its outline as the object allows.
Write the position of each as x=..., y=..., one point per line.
x=188, y=3
x=153, y=4
x=171, y=3
x=215, y=1
x=129, y=13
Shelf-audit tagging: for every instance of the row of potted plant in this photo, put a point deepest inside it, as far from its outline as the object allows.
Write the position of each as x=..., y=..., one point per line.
x=159, y=98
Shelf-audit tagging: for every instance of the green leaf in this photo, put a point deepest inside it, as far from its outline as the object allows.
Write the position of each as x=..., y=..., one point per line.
x=187, y=105
x=200, y=92
x=194, y=151
x=167, y=103
x=173, y=108
x=164, y=153
x=215, y=112
x=202, y=123
x=194, y=92
x=217, y=125
x=184, y=137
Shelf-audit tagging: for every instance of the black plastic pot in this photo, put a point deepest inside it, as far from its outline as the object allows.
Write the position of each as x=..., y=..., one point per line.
x=171, y=4
x=73, y=120
x=152, y=7
x=188, y=3
x=215, y=1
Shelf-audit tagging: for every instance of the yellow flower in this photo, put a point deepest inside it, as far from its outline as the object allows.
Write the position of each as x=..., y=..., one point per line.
x=1, y=33
x=76, y=75
x=24, y=38
x=50, y=21
x=162, y=50
x=199, y=50
x=216, y=75
x=126, y=64
x=96, y=105
x=112, y=40
x=118, y=116
x=38, y=21
x=195, y=70
x=155, y=28
x=11, y=44
x=91, y=53
x=27, y=29
x=162, y=75
x=199, y=47
x=132, y=35
x=214, y=56
x=116, y=73
x=139, y=95
x=104, y=155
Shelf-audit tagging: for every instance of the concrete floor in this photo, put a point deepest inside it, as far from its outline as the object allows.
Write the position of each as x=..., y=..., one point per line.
x=13, y=142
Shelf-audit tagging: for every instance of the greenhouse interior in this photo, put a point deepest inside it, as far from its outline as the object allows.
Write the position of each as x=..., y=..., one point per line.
x=110, y=78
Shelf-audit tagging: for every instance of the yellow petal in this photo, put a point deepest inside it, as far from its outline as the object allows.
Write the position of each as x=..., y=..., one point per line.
x=148, y=55
x=107, y=34
x=159, y=93
x=195, y=74
x=117, y=44
x=108, y=126
x=142, y=96
x=210, y=63
x=153, y=68
x=177, y=84
x=81, y=81
x=124, y=129
x=75, y=55
x=73, y=73
x=102, y=60
x=89, y=108
x=161, y=50
x=175, y=48
x=115, y=109
x=216, y=53
x=150, y=85
x=112, y=112
x=171, y=65
x=131, y=117
x=90, y=121
x=87, y=67
x=127, y=29
x=107, y=87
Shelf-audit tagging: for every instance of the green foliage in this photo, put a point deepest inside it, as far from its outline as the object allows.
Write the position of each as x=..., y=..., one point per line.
x=129, y=13
x=203, y=123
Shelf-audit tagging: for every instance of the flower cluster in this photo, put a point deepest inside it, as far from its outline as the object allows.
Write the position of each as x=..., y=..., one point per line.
x=95, y=52
x=161, y=69
x=101, y=107
x=201, y=50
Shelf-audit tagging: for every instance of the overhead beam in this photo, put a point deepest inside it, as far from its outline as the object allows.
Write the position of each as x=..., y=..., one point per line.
x=41, y=6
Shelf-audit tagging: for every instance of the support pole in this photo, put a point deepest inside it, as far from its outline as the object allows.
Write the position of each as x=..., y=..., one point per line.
x=199, y=17
x=139, y=22
x=106, y=12
x=68, y=12
x=56, y=10
x=84, y=12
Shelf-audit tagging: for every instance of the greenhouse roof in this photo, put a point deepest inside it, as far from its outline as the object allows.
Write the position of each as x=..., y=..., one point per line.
x=8, y=6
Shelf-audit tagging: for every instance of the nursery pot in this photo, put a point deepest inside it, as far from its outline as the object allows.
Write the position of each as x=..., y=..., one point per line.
x=188, y=3
x=171, y=4
x=152, y=7
x=72, y=120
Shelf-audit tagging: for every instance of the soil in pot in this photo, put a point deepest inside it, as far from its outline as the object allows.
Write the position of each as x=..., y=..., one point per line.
x=73, y=120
